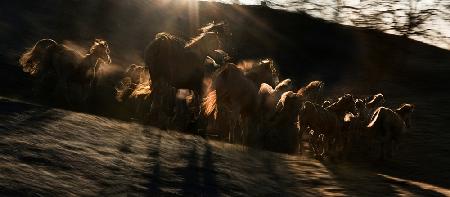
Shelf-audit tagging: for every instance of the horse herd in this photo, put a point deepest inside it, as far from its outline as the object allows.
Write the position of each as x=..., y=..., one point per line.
x=195, y=84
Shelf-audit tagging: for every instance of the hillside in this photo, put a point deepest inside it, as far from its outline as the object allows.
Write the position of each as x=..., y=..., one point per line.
x=56, y=152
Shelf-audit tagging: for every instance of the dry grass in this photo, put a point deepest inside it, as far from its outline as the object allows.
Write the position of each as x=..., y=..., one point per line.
x=55, y=152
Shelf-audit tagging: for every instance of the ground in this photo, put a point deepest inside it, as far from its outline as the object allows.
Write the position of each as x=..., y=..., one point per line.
x=47, y=151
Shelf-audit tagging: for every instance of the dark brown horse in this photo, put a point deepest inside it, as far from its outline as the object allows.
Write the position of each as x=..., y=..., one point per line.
x=283, y=132
x=387, y=127
x=177, y=64
x=233, y=100
x=326, y=123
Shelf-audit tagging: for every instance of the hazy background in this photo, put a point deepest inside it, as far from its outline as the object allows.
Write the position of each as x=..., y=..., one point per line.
x=389, y=15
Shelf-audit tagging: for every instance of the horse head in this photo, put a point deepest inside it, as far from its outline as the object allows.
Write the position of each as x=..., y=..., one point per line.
x=98, y=51
x=344, y=104
x=405, y=110
x=375, y=101
x=101, y=50
x=290, y=101
x=269, y=67
x=135, y=73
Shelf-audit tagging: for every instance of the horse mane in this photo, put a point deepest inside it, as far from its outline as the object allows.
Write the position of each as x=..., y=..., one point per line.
x=311, y=85
x=405, y=108
x=284, y=84
x=282, y=101
x=169, y=36
x=342, y=102
x=214, y=27
x=375, y=99
x=265, y=89
x=195, y=41
x=31, y=60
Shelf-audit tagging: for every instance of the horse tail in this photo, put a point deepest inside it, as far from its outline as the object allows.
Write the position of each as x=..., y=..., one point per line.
x=209, y=104
x=31, y=60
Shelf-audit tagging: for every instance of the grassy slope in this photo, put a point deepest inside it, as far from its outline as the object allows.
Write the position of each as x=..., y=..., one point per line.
x=50, y=151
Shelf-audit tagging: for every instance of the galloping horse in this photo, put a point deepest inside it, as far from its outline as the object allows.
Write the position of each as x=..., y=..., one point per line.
x=233, y=99
x=175, y=63
x=326, y=122
x=283, y=132
x=387, y=127
x=75, y=73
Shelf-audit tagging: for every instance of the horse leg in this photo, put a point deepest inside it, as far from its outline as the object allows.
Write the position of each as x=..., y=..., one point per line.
x=245, y=130
x=156, y=107
x=232, y=125
x=389, y=149
x=65, y=91
x=382, y=150
x=327, y=140
x=300, y=142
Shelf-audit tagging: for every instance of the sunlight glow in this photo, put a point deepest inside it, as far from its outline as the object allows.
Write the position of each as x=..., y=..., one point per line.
x=424, y=186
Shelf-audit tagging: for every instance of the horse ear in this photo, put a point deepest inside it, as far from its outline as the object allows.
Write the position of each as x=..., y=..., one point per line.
x=132, y=67
x=412, y=107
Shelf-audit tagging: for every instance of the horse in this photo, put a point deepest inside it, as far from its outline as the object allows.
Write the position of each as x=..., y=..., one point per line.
x=355, y=126
x=387, y=127
x=283, y=132
x=373, y=102
x=134, y=91
x=313, y=91
x=261, y=71
x=133, y=76
x=75, y=73
x=326, y=123
x=178, y=64
x=233, y=99
x=270, y=97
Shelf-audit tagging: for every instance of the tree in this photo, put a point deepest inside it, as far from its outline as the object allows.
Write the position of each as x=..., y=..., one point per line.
x=408, y=18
